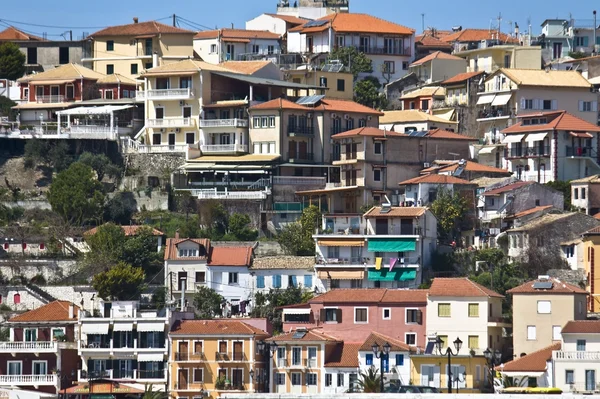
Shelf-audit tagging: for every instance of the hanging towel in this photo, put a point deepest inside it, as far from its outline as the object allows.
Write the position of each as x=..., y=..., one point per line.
x=378, y=263
x=393, y=263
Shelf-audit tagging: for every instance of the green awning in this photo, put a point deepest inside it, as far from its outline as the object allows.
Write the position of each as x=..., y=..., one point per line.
x=101, y=396
x=408, y=275
x=392, y=244
x=384, y=274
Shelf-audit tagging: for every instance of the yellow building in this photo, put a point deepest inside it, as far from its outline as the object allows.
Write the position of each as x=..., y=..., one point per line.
x=212, y=357
x=334, y=77
x=130, y=49
x=431, y=370
x=591, y=256
x=490, y=59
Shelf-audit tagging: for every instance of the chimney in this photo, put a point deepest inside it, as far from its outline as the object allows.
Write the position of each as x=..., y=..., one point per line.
x=135, y=20
x=177, y=233
x=71, y=311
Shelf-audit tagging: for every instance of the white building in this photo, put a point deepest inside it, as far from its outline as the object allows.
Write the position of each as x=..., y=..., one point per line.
x=276, y=23
x=216, y=46
x=341, y=368
x=396, y=365
x=282, y=272
x=311, y=9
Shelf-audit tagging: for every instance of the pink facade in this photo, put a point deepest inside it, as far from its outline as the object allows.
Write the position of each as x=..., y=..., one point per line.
x=118, y=91
x=60, y=92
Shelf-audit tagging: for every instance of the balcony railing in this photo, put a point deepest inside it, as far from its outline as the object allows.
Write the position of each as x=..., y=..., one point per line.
x=160, y=148
x=299, y=180
x=151, y=374
x=300, y=130
x=230, y=356
x=576, y=355
x=502, y=112
x=342, y=261
x=300, y=156
x=39, y=346
x=385, y=50
x=223, y=123
x=50, y=99
x=524, y=152
x=582, y=386
x=223, y=148
x=170, y=122
x=580, y=152
x=94, y=374
x=44, y=379
x=165, y=94
x=310, y=363
x=237, y=195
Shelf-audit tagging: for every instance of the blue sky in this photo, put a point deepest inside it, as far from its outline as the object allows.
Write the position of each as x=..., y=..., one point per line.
x=442, y=14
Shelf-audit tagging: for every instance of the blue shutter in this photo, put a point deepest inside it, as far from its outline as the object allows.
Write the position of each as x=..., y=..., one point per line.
x=308, y=281
x=386, y=364
x=369, y=359
x=260, y=281
x=585, y=41
x=399, y=360
x=295, y=281
x=277, y=281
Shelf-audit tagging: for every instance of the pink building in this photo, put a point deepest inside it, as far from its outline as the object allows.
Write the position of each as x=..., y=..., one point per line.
x=352, y=314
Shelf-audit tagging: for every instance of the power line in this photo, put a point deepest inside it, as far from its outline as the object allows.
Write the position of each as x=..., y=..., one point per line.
x=194, y=24
x=52, y=26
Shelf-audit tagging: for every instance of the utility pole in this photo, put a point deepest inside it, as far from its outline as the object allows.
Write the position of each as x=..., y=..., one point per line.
x=499, y=24
x=423, y=22
x=174, y=20
x=71, y=34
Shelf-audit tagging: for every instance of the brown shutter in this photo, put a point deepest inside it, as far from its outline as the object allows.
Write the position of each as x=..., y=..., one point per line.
x=419, y=317
x=322, y=315
x=339, y=315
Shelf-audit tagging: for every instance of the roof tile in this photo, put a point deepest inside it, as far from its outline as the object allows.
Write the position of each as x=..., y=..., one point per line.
x=368, y=132
x=246, y=67
x=376, y=338
x=228, y=33
x=472, y=166
x=508, y=187
x=66, y=71
x=13, y=34
x=477, y=35
x=535, y=361
x=230, y=256
x=541, y=77
x=430, y=41
x=356, y=23
x=343, y=355
x=558, y=120
x=290, y=19
x=141, y=28
x=447, y=134
x=461, y=77
x=310, y=336
x=582, y=327
x=438, y=55
x=130, y=230
x=410, y=115
x=279, y=103
x=54, y=311
x=284, y=262
x=434, y=179
x=460, y=287
x=215, y=327
x=396, y=211
x=171, y=248
x=558, y=287
x=371, y=295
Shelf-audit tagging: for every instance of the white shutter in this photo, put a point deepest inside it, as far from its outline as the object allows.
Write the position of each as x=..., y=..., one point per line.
x=271, y=148
x=554, y=104
x=256, y=149
x=536, y=103
x=523, y=103
x=580, y=105
x=436, y=376
x=594, y=106
x=461, y=371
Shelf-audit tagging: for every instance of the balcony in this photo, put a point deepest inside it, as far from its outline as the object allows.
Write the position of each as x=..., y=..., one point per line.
x=499, y=322
x=115, y=346
x=299, y=181
x=384, y=50
x=230, y=357
x=170, y=122
x=84, y=375
x=189, y=357
x=50, y=99
x=526, y=152
x=216, y=123
x=349, y=157
x=495, y=113
x=224, y=148
x=29, y=347
x=158, y=148
x=581, y=152
x=299, y=157
x=233, y=195
x=310, y=363
x=293, y=131
x=576, y=355
x=165, y=94
x=342, y=261
x=37, y=380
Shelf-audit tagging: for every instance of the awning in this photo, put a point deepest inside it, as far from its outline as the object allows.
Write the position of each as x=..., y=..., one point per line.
x=384, y=274
x=123, y=327
x=531, y=137
x=341, y=243
x=487, y=150
x=502, y=99
x=151, y=357
x=581, y=135
x=297, y=311
x=408, y=275
x=522, y=373
x=94, y=328
x=51, y=82
x=485, y=99
x=513, y=138
x=147, y=327
x=102, y=110
x=254, y=80
x=445, y=114
x=392, y=244
x=341, y=275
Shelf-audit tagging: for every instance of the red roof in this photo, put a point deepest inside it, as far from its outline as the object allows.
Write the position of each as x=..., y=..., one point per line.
x=434, y=179
x=230, y=256
x=477, y=35
x=245, y=34
x=508, y=187
x=171, y=252
x=141, y=28
x=430, y=41
x=558, y=287
x=471, y=166
x=54, y=311
x=461, y=77
x=582, y=327
x=557, y=120
x=313, y=335
x=460, y=287
x=371, y=295
x=531, y=211
x=438, y=55
x=343, y=355
x=279, y=103
x=376, y=338
x=369, y=132
x=447, y=134
x=13, y=34
x=325, y=104
x=356, y=23
x=535, y=361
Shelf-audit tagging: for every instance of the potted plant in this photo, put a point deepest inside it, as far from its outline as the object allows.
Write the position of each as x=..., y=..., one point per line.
x=220, y=383
x=227, y=383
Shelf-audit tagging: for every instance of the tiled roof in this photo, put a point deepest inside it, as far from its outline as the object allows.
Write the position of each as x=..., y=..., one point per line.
x=430, y=41
x=246, y=67
x=215, y=327
x=230, y=256
x=438, y=55
x=356, y=23
x=477, y=35
x=410, y=115
x=186, y=65
x=228, y=33
x=369, y=132
x=54, y=311
x=290, y=19
x=310, y=336
x=472, y=166
x=141, y=28
x=371, y=295
x=540, y=77
x=434, y=179
x=432, y=91
x=543, y=220
x=594, y=231
x=171, y=248
x=396, y=211
x=116, y=78
x=343, y=355
x=532, y=362
x=404, y=296
x=558, y=287
x=461, y=77
x=531, y=211
x=557, y=120
x=447, y=134
x=594, y=179
x=508, y=187
x=460, y=287
x=279, y=103
x=66, y=71
x=334, y=105
x=13, y=34
x=380, y=339
x=130, y=230
x=284, y=262
x=597, y=216
x=582, y=327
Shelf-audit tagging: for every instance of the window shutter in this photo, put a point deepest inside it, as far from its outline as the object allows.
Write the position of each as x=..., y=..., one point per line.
x=523, y=103
x=538, y=103
x=323, y=315
x=260, y=281
x=585, y=41
x=580, y=105
x=419, y=317
x=554, y=104
x=594, y=106
x=338, y=315
x=436, y=376
x=308, y=281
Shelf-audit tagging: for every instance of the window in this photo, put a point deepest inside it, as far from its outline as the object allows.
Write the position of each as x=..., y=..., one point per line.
x=30, y=335
x=323, y=81
x=362, y=122
x=328, y=379
x=588, y=106
x=369, y=359
x=270, y=49
x=361, y=315
x=110, y=45
x=260, y=281
x=333, y=315
x=148, y=65
x=473, y=341
x=277, y=281
x=63, y=55
x=40, y=367
x=582, y=193
x=569, y=376
x=376, y=174
x=108, y=94
x=340, y=380
x=399, y=360
x=14, y=367
x=413, y=316
x=389, y=67
x=134, y=69
x=356, y=283
x=110, y=69
x=333, y=252
x=255, y=49
x=190, y=138
x=404, y=65
x=473, y=310
x=424, y=105
x=213, y=48
x=443, y=310
x=292, y=281
x=341, y=85
x=556, y=336
x=531, y=333
x=544, y=307
x=233, y=278
x=32, y=55
x=296, y=356
x=296, y=379
x=387, y=314
x=377, y=148
x=575, y=193
x=410, y=339
x=280, y=378
x=186, y=253
x=271, y=121
x=198, y=375
x=70, y=92
x=308, y=281
x=581, y=345
x=340, y=41
x=581, y=41
x=148, y=47
x=280, y=353
x=311, y=379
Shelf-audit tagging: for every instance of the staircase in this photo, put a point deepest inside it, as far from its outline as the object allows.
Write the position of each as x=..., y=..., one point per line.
x=37, y=291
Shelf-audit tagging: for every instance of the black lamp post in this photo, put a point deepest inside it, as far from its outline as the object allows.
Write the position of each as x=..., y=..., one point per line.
x=381, y=354
x=494, y=358
x=251, y=372
x=64, y=378
x=457, y=345
x=268, y=350
x=458, y=380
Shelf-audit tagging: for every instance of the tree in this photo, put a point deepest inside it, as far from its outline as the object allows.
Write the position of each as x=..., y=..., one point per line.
x=450, y=209
x=120, y=208
x=98, y=162
x=150, y=393
x=140, y=251
x=266, y=304
x=106, y=247
x=214, y=218
x=12, y=61
x=59, y=156
x=207, y=302
x=366, y=92
x=119, y=283
x=238, y=228
x=565, y=188
x=76, y=195
x=55, y=154
x=296, y=238
x=356, y=61
x=369, y=381
x=6, y=105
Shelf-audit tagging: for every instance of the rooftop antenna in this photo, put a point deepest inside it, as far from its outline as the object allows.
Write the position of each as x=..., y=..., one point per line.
x=423, y=22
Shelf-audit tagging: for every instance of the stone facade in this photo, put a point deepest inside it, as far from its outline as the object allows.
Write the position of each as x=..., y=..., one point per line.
x=153, y=168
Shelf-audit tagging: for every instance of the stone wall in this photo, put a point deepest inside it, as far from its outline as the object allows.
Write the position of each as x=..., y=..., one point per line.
x=152, y=201
x=51, y=269
x=159, y=166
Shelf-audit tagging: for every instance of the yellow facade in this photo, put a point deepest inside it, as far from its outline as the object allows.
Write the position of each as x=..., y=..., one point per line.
x=340, y=85
x=475, y=367
x=591, y=256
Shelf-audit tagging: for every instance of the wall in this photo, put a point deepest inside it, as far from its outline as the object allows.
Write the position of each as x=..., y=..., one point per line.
x=267, y=22
x=51, y=269
x=158, y=165
x=442, y=69
x=155, y=201
x=48, y=52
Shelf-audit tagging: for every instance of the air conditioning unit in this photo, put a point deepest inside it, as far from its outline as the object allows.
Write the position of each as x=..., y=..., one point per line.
x=181, y=103
x=334, y=115
x=162, y=130
x=369, y=117
x=426, y=164
x=346, y=116
x=309, y=115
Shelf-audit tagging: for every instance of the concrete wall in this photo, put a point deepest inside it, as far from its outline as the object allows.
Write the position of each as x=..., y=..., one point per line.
x=155, y=201
x=267, y=22
x=386, y=396
x=51, y=269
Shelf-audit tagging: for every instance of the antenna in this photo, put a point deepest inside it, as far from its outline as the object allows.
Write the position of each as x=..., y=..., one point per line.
x=423, y=22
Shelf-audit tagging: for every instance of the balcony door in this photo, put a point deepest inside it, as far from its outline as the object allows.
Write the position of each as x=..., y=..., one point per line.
x=39, y=367
x=183, y=350
x=303, y=150
x=590, y=380
x=556, y=50
x=237, y=377
x=30, y=334
x=225, y=139
x=238, y=351
x=15, y=367
x=182, y=379
x=160, y=112
x=125, y=368
x=163, y=83
x=292, y=150
x=381, y=226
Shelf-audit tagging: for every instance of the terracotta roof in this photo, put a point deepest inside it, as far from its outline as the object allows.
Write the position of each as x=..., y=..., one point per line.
x=376, y=338
x=369, y=132
x=594, y=179
x=558, y=287
x=410, y=115
x=404, y=296
x=594, y=231
x=477, y=35
x=334, y=105
x=129, y=230
x=430, y=41
x=54, y=311
x=532, y=362
x=396, y=211
x=472, y=166
x=557, y=120
x=246, y=67
x=141, y=28
x=430, y=91
x=540, y=77
x=66, y=71
x=187, y=65
x=310, y=336
x=582, y=327
x=13, y=34
x=290, y=19
x=228, y=33
x=371, y=295
x=356, y=23
x=434, y=179
x=284, y=262
x=438, y=55
x=171, y=248
x=461, y=77
x=214, y=327
x=116, y=78
x=343, y=355
x=508, y=187
x=230, y=256
x=597, y=216
x=460, y=287
x=447, y=134
x=531, y=211
x=280, y=103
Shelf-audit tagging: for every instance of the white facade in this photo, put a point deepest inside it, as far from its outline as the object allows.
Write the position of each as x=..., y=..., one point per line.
x=397, y=369
x=233, y=283
x=185, y=275
x=216, y=51
x=340, y=379
x=265, y=280
x=267, y=22
x=577, y=365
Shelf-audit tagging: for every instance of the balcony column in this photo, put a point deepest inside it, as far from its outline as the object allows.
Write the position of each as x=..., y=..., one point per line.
x=58, y=123
x=251, y=95
x=112, y=123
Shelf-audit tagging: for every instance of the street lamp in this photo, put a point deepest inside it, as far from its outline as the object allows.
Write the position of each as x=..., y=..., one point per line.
x=251, y=372
x=458, y=380
x=268, y=350
x=381, y=354
x=457, y=345
x=494, y=358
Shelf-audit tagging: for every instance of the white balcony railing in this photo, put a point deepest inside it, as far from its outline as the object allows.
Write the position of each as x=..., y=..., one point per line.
x=221, y=195
x=576, y=355
x=165, y=94
x=50, y=99
x=170, y=122
x=44, y=379
x=39, y=346
x=299, y=180
x=224, y=122
x=160, y=149
x=223, y=148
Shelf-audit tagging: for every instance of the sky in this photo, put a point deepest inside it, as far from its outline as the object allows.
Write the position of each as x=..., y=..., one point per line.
x=89, y=15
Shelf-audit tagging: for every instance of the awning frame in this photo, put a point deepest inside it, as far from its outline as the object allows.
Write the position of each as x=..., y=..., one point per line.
x=535, y=137
x=513, y=138
x=157, y=326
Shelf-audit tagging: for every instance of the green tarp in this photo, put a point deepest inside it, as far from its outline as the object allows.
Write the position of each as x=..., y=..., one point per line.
x=384, y=274
x=392, y=244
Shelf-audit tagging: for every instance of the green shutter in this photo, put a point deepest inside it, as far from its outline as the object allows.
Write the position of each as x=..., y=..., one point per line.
x=392, y=244
x=408, y=275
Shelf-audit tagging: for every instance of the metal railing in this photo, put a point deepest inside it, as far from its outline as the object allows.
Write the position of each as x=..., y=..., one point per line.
x=46, y=346
x=43, y=379
x=285, y=207
x=298, y=180
x=301, y=130
x=385, y=50
x=580, y=152
x=342, y=261
x=310, y=363
x=224, y=122
x=495, y=113
x=151, y=374
x=160, y=94
x=50, y=99
x=588, y=387
x=170, y=122
x=522, y=152
x=300, y=156
x=575, y=355
x=223, y=195
x=224, y=148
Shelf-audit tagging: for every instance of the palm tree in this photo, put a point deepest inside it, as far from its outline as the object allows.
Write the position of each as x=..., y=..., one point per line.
x=370, y=381
x=151, y=394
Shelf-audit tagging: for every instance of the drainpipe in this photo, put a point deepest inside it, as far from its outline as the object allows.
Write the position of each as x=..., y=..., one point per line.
x=555, y=157
x=595, y=27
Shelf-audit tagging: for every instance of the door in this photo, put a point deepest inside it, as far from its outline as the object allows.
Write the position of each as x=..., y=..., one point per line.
x=182, y=379
x=557, y=50
x=126, y=368
x=303, y=150
x=225, y=139
x=70, y=92
x=309, y=44
x=238, y=351
x=230, y=52
x=237, y=378
x=381, y=226
x=39, y=368
x=171, y=139
x=182, y=353
x=160, y=113
x=590, y=380
x=187, y=112
x=291, y=150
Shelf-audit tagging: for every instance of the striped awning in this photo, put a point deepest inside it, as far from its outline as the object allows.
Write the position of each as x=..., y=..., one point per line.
x=342, y=275
x=341, y=243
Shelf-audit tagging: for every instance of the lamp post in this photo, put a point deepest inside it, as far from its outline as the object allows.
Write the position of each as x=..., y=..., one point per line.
x=268, y=350
x=458, y=380
x=494, y=358
x=457, y=345
x=381, y=354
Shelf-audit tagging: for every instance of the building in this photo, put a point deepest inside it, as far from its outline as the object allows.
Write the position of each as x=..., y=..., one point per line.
x=591, y=242
x=212, y=357
x=259, y=69
x=41, y=353
x=276, y=23
x=133, y=230
x=585, y=194
x=335, y=76
x=427, y=43
x=550, y=146
x=388, y=45
x=470, y=39
x=399, y=242
x=546, y=305
x=423, y=190
x=341, y=368
x=490, y=59
x=459, y=307
x=470, y=170
x=130, y=49
x=437, y=66
x=560, y=37
x=423, y=99
x=123, y=343
x=312, y=9
x=216, y=46
x=461, y=98
x=396, y=364
x=272, y=272
x=409, y=120
x=534, y=369
x=393, y=90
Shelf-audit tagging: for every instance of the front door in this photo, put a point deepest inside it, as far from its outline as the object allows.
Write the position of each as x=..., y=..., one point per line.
x=238, y=351
x=182, y=379
x=182, y=350
x=303, y=150
x=590, y=380
x=171, y=139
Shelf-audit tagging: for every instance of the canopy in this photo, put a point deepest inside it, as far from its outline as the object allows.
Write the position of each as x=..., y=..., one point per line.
x=342, y=275
x=51, y=82
x=150, y=357
x=531, y=137
x=501, y=99
x=94, y=328
x=581, y=135
x=147, y=327
x=487, y=150
x=384, y=274
x=297, y=311
x=102, y=110
x=123, y=327
x=341, y=243
x=485, y=99
x=513, y=138
x=392, y=244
